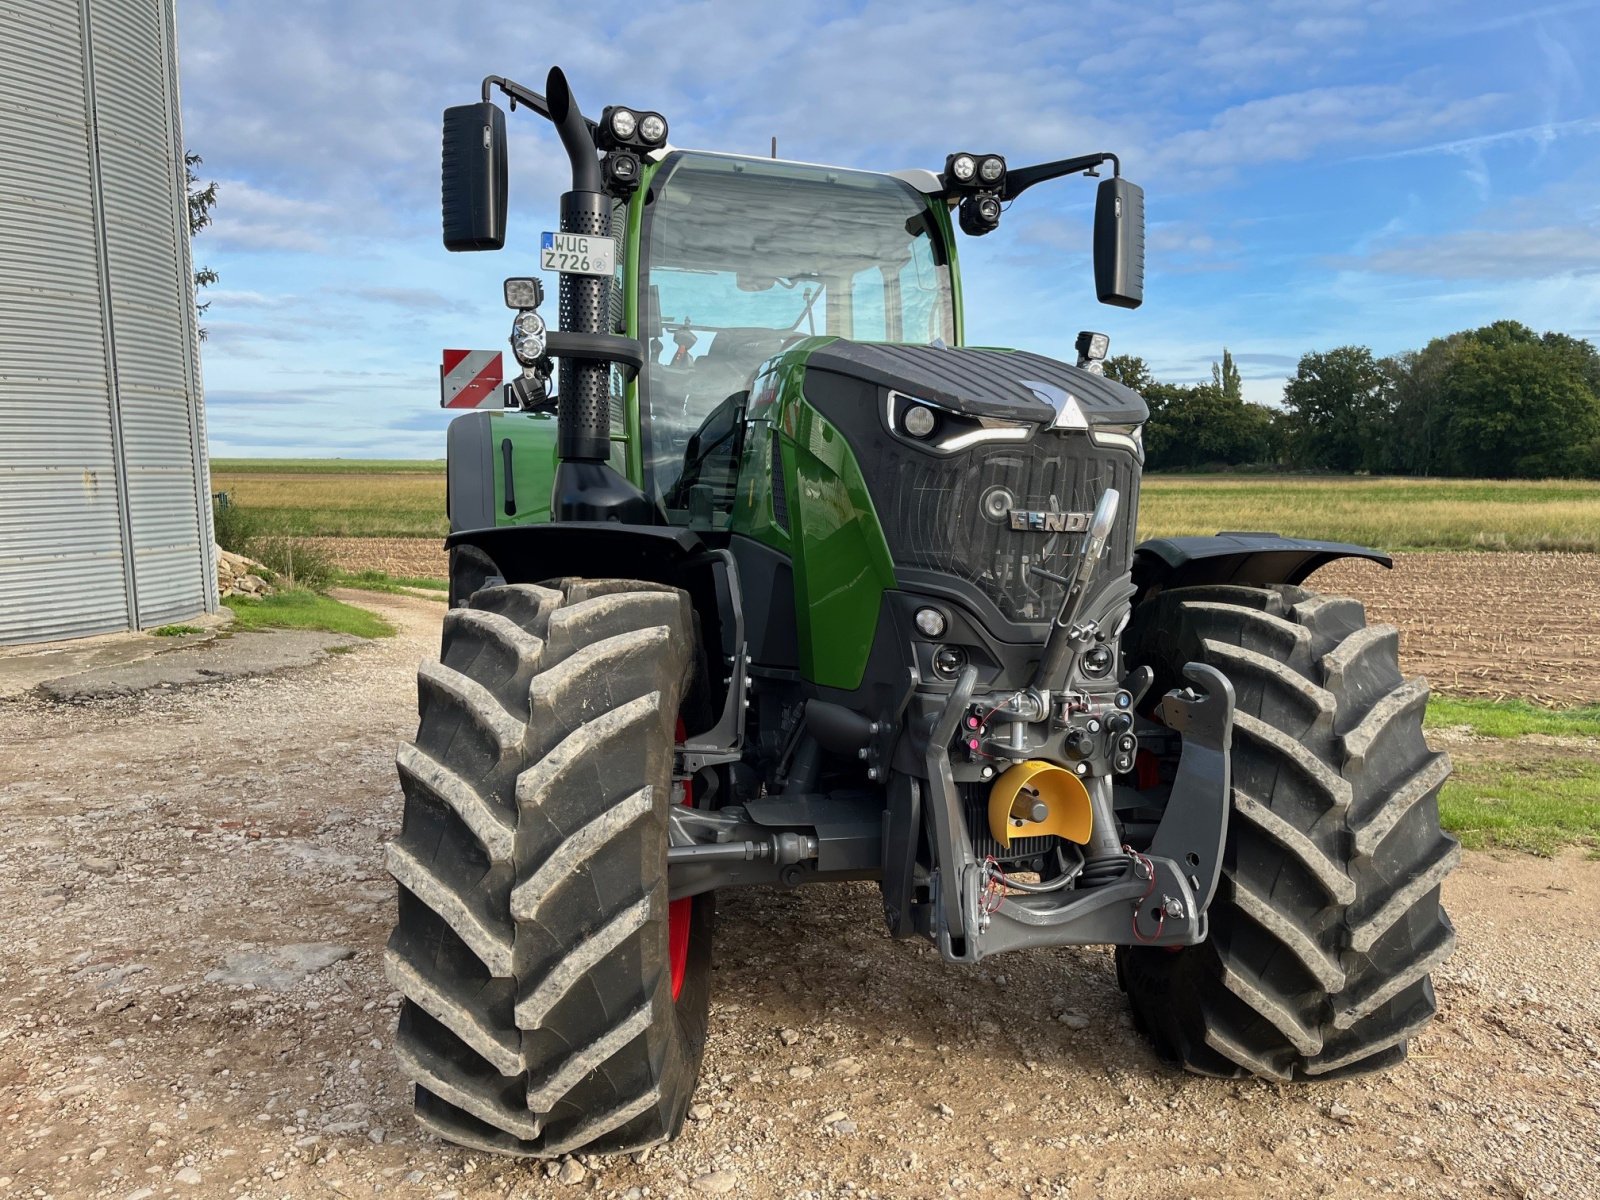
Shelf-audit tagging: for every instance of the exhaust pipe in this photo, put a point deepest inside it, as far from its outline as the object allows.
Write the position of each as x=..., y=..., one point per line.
x=583, y=432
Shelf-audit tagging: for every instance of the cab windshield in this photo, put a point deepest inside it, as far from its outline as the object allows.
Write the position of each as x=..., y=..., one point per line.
x=743, y=257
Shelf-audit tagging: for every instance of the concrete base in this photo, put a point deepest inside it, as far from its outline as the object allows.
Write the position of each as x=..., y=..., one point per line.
x=124, y=663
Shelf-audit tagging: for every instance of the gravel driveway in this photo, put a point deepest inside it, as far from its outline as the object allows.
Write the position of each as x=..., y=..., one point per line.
x=193, y=906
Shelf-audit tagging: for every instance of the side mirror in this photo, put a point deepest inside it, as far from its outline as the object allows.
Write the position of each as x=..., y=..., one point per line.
x=1119, y=243
x=473, y=177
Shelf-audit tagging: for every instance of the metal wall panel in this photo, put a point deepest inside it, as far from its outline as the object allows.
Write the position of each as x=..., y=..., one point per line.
x=104, y=493
x=151, y=303
x=62, y=568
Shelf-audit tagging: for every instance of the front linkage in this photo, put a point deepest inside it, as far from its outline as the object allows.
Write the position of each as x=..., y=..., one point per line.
x=1063, y=748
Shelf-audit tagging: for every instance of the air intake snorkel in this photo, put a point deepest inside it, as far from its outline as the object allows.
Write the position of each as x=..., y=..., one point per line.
x=1067, y=639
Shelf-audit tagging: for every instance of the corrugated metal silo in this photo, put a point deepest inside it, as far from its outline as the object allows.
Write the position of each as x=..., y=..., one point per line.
x=105, y=519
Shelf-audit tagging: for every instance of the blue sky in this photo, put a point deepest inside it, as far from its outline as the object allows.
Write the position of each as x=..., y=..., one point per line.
x=1316, y=173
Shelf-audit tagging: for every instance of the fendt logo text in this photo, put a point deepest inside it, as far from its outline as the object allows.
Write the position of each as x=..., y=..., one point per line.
x=1049, y=522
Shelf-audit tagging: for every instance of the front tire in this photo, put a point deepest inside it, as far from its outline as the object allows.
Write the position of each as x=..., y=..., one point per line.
x=543, y=1013
x=1327, y=920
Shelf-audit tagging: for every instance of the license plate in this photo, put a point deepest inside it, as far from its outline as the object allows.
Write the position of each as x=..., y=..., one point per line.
x=578, y=254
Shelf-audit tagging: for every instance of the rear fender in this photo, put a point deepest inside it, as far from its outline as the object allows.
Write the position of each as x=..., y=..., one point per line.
x=1245, y=559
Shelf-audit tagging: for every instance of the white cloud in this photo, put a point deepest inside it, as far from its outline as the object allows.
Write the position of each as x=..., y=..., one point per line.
x=1493, y=254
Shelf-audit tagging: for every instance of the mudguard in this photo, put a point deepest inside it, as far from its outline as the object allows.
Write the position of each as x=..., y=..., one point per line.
x=1246, y=559
x=664, y=554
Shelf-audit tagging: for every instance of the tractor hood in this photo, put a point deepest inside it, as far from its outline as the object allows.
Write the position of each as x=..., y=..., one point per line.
x=1012, y=384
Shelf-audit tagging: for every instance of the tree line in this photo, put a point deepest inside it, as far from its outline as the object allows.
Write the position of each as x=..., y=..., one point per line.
x=1498, y=402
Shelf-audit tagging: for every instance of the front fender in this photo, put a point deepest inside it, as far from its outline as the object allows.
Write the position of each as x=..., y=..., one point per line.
x=1246, y=559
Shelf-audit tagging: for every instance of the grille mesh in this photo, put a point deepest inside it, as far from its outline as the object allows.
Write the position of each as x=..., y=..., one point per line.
x=951, y=515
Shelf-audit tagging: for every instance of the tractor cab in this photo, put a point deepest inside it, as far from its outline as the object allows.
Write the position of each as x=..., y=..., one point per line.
x=740, y=259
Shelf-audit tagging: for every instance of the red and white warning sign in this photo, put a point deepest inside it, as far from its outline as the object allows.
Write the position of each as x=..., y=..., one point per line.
x=470, y=379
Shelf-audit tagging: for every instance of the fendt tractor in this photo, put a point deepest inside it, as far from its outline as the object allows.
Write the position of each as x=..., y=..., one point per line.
x=763, y=577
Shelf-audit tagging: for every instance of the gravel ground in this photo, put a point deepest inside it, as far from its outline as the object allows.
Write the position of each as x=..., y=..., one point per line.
x=192, y=908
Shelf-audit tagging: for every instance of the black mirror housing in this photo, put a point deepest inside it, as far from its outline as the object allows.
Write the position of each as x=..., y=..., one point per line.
x=1119, y=243
x=473, y=177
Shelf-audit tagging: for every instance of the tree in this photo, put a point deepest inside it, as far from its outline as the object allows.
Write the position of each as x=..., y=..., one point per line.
x=1225, y=375
x=1129, y=370
x=1520, y=405
x=1202, y=426
x=1339, y=407
x=201, y=201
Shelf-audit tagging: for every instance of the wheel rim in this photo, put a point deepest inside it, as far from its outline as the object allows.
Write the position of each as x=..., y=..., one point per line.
x=679, y=912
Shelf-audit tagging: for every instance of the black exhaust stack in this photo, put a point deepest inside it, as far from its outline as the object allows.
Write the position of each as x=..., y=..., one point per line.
x=585, y=430
x=586, y=488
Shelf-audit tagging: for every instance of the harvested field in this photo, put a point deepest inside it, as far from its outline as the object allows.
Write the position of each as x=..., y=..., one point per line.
x=1496, y=625
x=413, y=558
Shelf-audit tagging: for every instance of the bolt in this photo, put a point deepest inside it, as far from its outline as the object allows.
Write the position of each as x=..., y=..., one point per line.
x=987, y=772
x=864, y=752
x=1083, y=768
x=1172, y=906
x=872, y=772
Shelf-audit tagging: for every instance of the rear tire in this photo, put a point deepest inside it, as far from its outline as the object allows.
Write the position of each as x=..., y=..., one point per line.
x=1327, y=920
x=532, y=945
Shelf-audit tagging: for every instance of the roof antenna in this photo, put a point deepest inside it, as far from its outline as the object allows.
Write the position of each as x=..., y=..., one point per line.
x=774, y=145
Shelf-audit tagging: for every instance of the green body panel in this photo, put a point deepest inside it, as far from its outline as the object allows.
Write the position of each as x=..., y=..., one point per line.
x=834, y=540
x=533, y=465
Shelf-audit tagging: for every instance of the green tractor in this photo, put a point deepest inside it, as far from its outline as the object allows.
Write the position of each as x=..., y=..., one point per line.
x=787, y=585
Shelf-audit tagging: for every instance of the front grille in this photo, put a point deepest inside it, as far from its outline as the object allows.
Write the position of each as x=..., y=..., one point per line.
x=951, y=514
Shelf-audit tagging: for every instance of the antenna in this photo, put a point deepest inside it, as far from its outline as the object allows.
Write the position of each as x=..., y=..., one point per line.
x=774, y=145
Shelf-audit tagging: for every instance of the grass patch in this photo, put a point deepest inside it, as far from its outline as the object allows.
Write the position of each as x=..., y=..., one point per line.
x=1511, y=718
x=282, y=552
x=1391, y=513
x=301, y=609
x=378, y=581
x=1538, y=806
x=175, y=630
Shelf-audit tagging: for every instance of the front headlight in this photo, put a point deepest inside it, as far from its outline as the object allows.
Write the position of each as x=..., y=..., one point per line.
x=623, y=123
x=1120, y=437
x=944, y=430
x=653, y=129
x=527, y=337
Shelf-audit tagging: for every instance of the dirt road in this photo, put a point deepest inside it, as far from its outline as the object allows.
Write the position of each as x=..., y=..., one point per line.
x=171, y=862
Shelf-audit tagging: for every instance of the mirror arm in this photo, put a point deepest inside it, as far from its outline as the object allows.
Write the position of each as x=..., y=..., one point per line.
x=1020, y=179
x=523, y=96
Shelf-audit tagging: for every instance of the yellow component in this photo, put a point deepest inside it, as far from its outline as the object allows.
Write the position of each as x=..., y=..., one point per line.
x=1032, y=786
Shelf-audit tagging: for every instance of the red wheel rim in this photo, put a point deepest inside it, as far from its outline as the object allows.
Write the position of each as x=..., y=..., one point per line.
x=679, y=911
